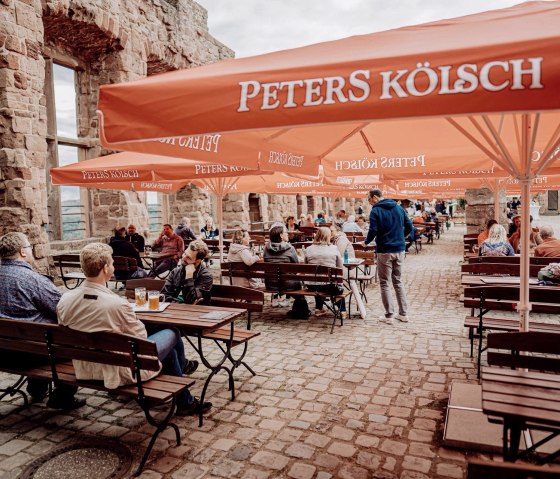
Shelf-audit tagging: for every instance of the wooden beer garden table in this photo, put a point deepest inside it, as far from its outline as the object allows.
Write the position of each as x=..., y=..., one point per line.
x=194, y=321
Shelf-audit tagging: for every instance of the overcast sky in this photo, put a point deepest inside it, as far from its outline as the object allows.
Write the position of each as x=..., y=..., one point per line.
x=251, y=27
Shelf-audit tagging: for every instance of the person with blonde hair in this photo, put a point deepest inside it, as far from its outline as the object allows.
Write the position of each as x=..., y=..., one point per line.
x=323, y=253
x=208, y=231
x=497, y=243
x=93, y=307
x=240, y=251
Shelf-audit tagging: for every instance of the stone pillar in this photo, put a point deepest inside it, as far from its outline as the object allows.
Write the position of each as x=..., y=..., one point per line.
x=236, y=210
x=281, y=206
x=23, y=146
x=479, y=208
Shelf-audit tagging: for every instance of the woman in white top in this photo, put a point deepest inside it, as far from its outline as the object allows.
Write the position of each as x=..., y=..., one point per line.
x=240, y=251
x=323, y=253
x=341, y=241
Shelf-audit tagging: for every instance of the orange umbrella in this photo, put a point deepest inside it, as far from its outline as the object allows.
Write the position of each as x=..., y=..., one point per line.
x=136, y=168
x=453, y=77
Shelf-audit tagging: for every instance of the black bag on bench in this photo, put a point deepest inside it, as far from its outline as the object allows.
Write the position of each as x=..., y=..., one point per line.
x=300, y=309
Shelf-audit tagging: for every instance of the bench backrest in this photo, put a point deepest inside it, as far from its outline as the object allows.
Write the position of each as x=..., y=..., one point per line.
x=513, y=259
x=124, y=267
x=283, y=272
x=148, y=283
x=499, y=268
x=110, y=348
x=545, y=345
x=230, y=296
x=67, y=261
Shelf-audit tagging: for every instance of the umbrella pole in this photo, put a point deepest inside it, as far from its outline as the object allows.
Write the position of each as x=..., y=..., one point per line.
x=524, y=306
x=220, y=198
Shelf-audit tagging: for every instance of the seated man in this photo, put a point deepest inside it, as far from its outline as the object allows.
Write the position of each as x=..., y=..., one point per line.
x=94, y=307
x=190, y=282
x=550, y=246
x=168, y=242
x=184, y=230
x=135, y=238
x=121, y=247
x=29, y=296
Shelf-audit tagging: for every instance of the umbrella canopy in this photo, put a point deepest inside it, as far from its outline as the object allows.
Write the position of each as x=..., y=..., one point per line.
x=136, y=168
x=473, y=74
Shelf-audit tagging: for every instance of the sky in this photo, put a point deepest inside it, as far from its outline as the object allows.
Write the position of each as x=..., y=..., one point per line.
x=252, y=27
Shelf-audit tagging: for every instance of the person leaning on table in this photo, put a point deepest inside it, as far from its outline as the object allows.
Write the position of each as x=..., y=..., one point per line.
x=191, y=281
x=93, y=307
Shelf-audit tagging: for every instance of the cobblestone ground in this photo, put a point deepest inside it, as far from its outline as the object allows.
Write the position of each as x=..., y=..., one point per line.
x=365, y=402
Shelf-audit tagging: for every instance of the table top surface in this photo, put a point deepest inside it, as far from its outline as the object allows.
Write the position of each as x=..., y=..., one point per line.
x=156, y=255
x=527, y=395
x=483, y=280
x=191, y=317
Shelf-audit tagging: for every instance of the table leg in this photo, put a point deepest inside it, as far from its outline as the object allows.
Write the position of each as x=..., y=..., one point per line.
x=214, y=368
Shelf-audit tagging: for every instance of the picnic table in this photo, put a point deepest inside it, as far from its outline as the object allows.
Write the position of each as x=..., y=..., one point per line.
x=200, y=322
x=151, y=259
x=522, y=399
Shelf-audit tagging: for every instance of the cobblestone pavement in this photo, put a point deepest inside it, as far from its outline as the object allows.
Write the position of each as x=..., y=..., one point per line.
x=365, y=402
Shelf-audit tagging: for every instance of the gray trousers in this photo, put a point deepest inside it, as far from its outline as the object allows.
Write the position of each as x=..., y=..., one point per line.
x=389, y=268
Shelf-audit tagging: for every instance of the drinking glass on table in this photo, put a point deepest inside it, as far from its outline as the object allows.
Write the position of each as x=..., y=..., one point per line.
x=140, y=296
x=154, y=298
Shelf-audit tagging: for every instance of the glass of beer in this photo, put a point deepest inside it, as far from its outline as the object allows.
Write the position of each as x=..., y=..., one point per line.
x=154, y=297
x=140, y=296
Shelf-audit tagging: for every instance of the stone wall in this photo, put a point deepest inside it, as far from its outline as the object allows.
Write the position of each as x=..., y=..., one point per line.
x=108, y=42
x=479, y=208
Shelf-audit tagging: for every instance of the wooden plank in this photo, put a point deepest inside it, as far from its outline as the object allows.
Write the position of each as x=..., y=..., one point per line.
x=517, y=390
x=527, y=413
x=528, y=375
x=499, y=470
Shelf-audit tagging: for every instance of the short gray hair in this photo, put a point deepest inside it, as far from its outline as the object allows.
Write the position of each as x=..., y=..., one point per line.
x=546, y=231
x=11, y=244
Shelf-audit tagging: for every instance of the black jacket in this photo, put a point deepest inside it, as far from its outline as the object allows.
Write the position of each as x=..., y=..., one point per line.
x=281, y=253
x=199, y=286
x=121, y=247
x=137, y=240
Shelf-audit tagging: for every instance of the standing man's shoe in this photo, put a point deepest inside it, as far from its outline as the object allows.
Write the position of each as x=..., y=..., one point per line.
x=403, y=318
x=386, y=320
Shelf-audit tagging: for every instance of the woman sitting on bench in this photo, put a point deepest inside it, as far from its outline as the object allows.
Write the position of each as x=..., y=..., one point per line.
x=496, y=244
x=323, y=253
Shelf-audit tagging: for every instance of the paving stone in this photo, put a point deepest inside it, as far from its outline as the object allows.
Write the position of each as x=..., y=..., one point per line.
x=270, y=460
x=300, y=450
x=449, y=470
x=341, y=449
x=192, y=471
x=14, y=446
x=302, y=471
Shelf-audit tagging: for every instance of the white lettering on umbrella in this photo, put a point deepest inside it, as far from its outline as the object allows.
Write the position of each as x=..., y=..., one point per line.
x=383, y=162
x=155, y=186
x=425, y=184
x=208, y=143
x=424, y=80
x=105, y=174
x=211, y=168
x=285, y=158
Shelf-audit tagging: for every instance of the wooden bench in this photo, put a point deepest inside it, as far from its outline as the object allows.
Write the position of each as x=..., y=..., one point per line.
x=524, y=394
x=59, y=343
x=67, y=265
x=498, y=268
x=280, y=273
x=477, y=469
x=533, y=260
x=544, y=300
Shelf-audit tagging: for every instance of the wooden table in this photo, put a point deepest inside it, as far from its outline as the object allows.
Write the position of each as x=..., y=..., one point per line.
x=190, y=320
x=490, y=280
x=152, y=258
x=523, y=400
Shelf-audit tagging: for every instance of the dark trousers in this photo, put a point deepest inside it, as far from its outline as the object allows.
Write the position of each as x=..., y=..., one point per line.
x=37, y=388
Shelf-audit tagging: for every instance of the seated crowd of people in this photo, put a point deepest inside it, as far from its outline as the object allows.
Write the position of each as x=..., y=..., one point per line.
x=495, y=241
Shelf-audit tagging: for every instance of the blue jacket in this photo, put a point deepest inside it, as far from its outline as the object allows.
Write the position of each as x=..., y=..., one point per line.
x=388, y=224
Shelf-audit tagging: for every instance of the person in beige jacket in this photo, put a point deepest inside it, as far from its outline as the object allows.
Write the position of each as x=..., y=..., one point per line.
x=240, y=251
x=93, y=307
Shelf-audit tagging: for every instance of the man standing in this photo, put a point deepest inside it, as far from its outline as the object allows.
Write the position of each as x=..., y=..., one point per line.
x=93, y=307
x=29, y=296
x=184, y=230
x=191, y=282
x=550, y=246
x=389, y=224
x=169, y=243
x=135, y=238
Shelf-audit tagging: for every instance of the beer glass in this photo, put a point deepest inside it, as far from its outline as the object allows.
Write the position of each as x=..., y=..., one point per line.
x=140, y=296
x=154, y=297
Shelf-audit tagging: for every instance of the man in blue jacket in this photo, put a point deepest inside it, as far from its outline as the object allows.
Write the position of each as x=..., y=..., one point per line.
x=389, y=225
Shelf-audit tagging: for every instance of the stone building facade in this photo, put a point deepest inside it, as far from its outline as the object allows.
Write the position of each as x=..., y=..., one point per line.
x=100, y=42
